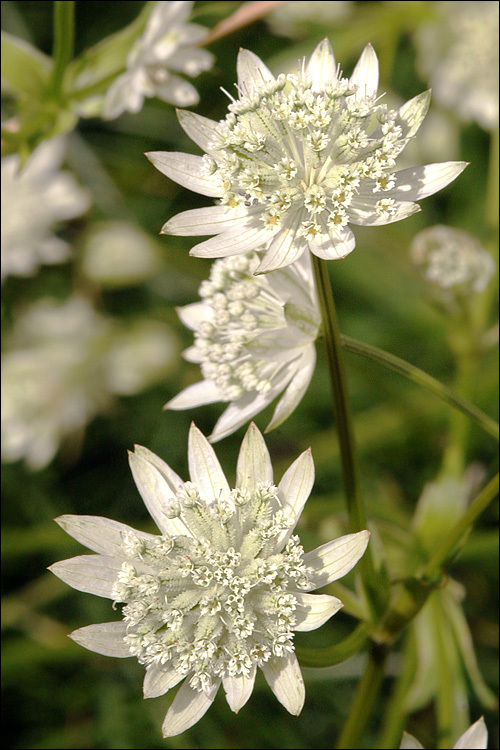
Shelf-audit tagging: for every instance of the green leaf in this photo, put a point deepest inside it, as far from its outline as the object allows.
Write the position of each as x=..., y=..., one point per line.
x=25, y=70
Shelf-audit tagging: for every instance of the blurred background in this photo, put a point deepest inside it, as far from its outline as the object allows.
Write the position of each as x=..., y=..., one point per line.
x=92, y=351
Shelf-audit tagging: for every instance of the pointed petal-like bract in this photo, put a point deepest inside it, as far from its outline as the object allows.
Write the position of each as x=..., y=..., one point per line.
x=198, y=394
x=159, y=679
x=293, y=490
x=187, y=708
x=335, y=559
x=284, y=677
x=475, y=738
x=420, y=182
x=254, y=462
x=252, y=72
x=295, y=391
x=238, y=689
x=414, y=111
x=322, y=67
x=187, y=170
x=313, y=610
x=409, y=742
x=365, y=75
x=209, y=220
x=94, y=574
x=98, y=534
x=200, y=129
x=204, y=468
x=106, y=638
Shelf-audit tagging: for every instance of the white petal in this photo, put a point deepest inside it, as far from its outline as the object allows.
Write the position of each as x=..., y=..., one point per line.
x=296, y=389
x=194, y=314
x=335, y=559
x=341, y=242
x=419, y=182
x=252, y=72
x=409, y=742
x=105, y=638
x=413, y=113
x=248, y=236
x=239, y=689
x=198, y=394
x=172, y=479
x=177, y=91
x=208, y=220
x=476, y=737
x=99, y=534
x=159, y=680
x=322, y=67
x=187, y=708
x=284, y=677
x=313, y=610
x=365, y=214
x=200, y=129
x=156, y=493
x=187, y=170
x=94, y=574
x=284, y=249
x=365, y=74
x=294, y=489
x=204, y=468
x=254, y=462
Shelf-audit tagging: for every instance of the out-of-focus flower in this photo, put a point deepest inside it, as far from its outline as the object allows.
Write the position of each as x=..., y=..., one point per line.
x=254, y=339
x=475, y=738
x=63, y=364
x=223, y=588
x=298, y=159
x=167, y=47
x=453, y=261
x=117, y=254
x=35, y=198
x=458, y=53
x=295, y=18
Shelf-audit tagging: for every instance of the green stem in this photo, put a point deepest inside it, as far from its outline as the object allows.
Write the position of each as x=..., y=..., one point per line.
x=395, y=715
x=64, y=39
x=419, y=377
x=365, y=698
x=493, y=186
x=445, y=712
x=357, y=518
x=455, y=534
x=337, y=653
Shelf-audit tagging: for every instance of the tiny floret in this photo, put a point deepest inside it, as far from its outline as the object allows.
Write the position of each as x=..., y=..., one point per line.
x=222, y=589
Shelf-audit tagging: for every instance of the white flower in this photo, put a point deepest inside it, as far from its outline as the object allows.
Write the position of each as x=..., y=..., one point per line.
x=35, y=197
x=294, y=19
x=475, y=738
x=458, y=53
x=223, y=588
x=167, y=47
x=298, y=159
x=452, y=259
x=254, y=339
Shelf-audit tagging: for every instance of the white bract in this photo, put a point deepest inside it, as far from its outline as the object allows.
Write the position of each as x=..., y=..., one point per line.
x=458, y=53
x=254, y=339
x=299, y=158
x=35, y=198
x=475, y=738
x=220, y=592
x=167, y=47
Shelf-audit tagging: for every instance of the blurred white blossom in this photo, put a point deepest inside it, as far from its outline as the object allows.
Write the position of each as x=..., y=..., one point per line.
x=36, y=197
x=452, y=260
x=220, y=592
x=298, y=159
x=254, y=339
x=167, y=47
x=62, y=365
x=294, y=18
x=475, y=738
x=458, y=54
x=117, y=254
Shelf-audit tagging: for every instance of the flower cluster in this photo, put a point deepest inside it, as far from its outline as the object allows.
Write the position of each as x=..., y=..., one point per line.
x=254, y=338
x=167, y=47
x=220, y=592
x=35, y=197
x=299, y=158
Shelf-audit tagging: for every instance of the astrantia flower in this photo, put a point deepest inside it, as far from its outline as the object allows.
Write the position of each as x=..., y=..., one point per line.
x=35, y=198
x=458, y=53
x=254, y=338
x=167, y=47
x=298, y=159
x=221, y=590
x=475, y=738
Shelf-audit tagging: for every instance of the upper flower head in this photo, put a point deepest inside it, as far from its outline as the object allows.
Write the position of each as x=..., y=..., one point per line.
x=223, y=588
x=254, y=338
x=168, y=46
x=299, y=158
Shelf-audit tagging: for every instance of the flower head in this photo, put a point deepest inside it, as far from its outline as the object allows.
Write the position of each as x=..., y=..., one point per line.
x=36, y=197
x=167, y=47
x=475, y=738
x=299, y=158
x=220, y=592
x=254, y=339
